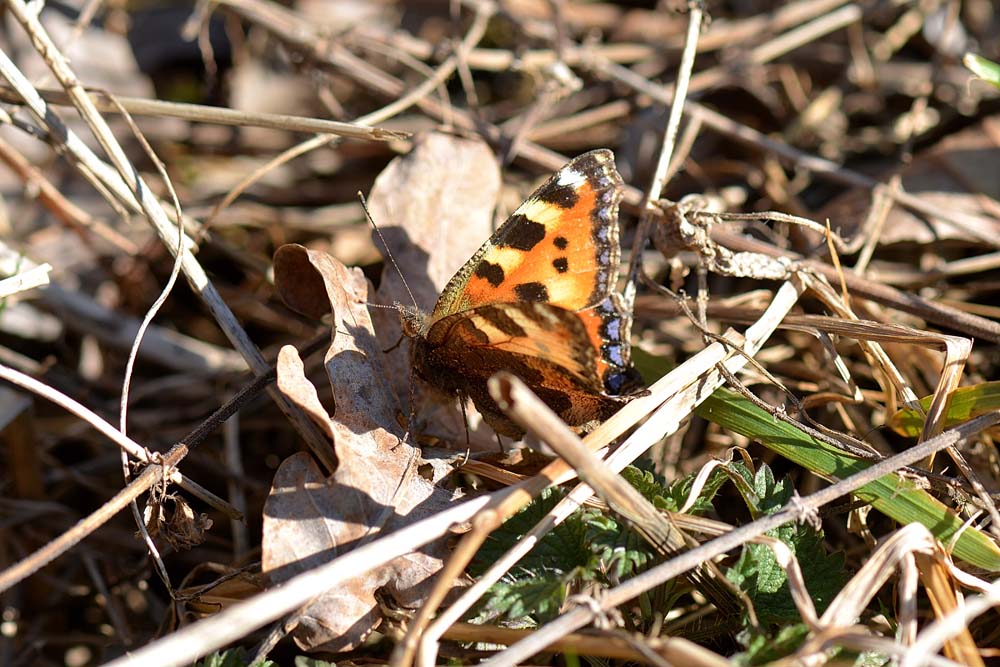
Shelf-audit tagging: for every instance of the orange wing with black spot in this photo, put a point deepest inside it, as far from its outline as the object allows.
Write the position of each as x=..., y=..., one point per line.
x=559, y=247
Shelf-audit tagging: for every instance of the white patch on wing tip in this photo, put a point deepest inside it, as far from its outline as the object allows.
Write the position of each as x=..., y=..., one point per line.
x=570, y=177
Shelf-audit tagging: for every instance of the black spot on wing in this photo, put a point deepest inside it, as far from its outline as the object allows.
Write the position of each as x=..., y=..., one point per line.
x=560, y=242
x=491, y=273
x=502, y=321
x=536, y=292
x=559, y=401
x=522, y=233
x=561, y=264
x=563, y=196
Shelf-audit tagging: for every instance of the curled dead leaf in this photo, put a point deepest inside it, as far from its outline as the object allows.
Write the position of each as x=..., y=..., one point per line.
x=310, y=518
x=434, y=209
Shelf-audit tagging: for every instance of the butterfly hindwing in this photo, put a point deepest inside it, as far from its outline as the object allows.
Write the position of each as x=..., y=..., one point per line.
x=538, y=330
x=546, y=346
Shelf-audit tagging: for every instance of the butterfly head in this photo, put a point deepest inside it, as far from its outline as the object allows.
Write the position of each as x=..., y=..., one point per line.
x=412, y=320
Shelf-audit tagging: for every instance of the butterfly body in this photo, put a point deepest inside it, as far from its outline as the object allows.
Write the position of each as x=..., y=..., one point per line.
x=538, y=299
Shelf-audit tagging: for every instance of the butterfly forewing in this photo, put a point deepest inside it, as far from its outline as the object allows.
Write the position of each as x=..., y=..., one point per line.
x=559, y=247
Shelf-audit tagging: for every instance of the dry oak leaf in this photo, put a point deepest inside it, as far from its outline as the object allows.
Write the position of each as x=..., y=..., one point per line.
x=311, y=518
x=434, y=209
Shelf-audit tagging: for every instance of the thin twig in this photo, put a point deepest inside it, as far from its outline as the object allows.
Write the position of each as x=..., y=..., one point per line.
x=655, y=189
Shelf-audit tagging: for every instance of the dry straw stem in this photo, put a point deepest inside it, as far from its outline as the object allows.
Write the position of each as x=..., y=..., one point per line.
x=899, y=551
x=670, y=401
x=797, y=510
x=200, y=638
x=82, y=313
x=647, y=214
x=124, y=180
x=152, y=475
x=23, y=279
x=956, y=349
x=804, y=21
x=937, y=313
x=201, y=113
x=934, y=636
x=518, y=401
x=821, y=167
x=297, y=32
x=301, y=35
x=62, y=208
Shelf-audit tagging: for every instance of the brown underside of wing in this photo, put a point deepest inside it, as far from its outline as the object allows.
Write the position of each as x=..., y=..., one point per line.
x=545, y=346
x=465, y=375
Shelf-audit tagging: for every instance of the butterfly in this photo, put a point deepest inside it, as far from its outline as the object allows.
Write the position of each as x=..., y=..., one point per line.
x=538, y=300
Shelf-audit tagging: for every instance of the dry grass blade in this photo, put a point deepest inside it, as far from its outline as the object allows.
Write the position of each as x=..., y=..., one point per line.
x=22, y=281
x=135, y=193
x=665, y=536
x=205, y=114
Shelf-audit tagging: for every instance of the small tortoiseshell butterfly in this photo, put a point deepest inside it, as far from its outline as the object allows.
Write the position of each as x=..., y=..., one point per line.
x=538, y=299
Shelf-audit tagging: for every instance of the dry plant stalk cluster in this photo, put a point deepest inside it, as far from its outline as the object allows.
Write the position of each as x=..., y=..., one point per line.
x=810, y=217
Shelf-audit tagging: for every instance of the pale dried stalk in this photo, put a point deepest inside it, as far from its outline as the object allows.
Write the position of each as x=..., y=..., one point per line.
x=26, y=279
x=200, y=113
x=443, y=72
x=652, y=194
x=129, y=187
x=581, y=616
x=153, y=473
x=193, y=641
x=675, y=650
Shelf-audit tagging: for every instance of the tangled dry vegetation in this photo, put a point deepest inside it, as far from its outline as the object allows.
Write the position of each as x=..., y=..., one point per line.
x=811, y=242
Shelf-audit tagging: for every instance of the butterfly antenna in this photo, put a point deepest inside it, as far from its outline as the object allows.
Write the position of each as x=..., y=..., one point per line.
x=388, y=252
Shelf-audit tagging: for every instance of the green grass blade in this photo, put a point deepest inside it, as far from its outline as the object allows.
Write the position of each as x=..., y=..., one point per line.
x=966, y=403
x=987, y=70
x=892, y=495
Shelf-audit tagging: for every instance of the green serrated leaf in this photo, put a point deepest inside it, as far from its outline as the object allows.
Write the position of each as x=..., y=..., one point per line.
x=758, y=573
x=621, y=552
x=772, y=495
x=892, y=495
x=652, y=486
x=672, y=496
x=306, y=661
x=763, y=648
x=235, y=657
x=536, y=600
x=534, y=590
x=563, y=549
